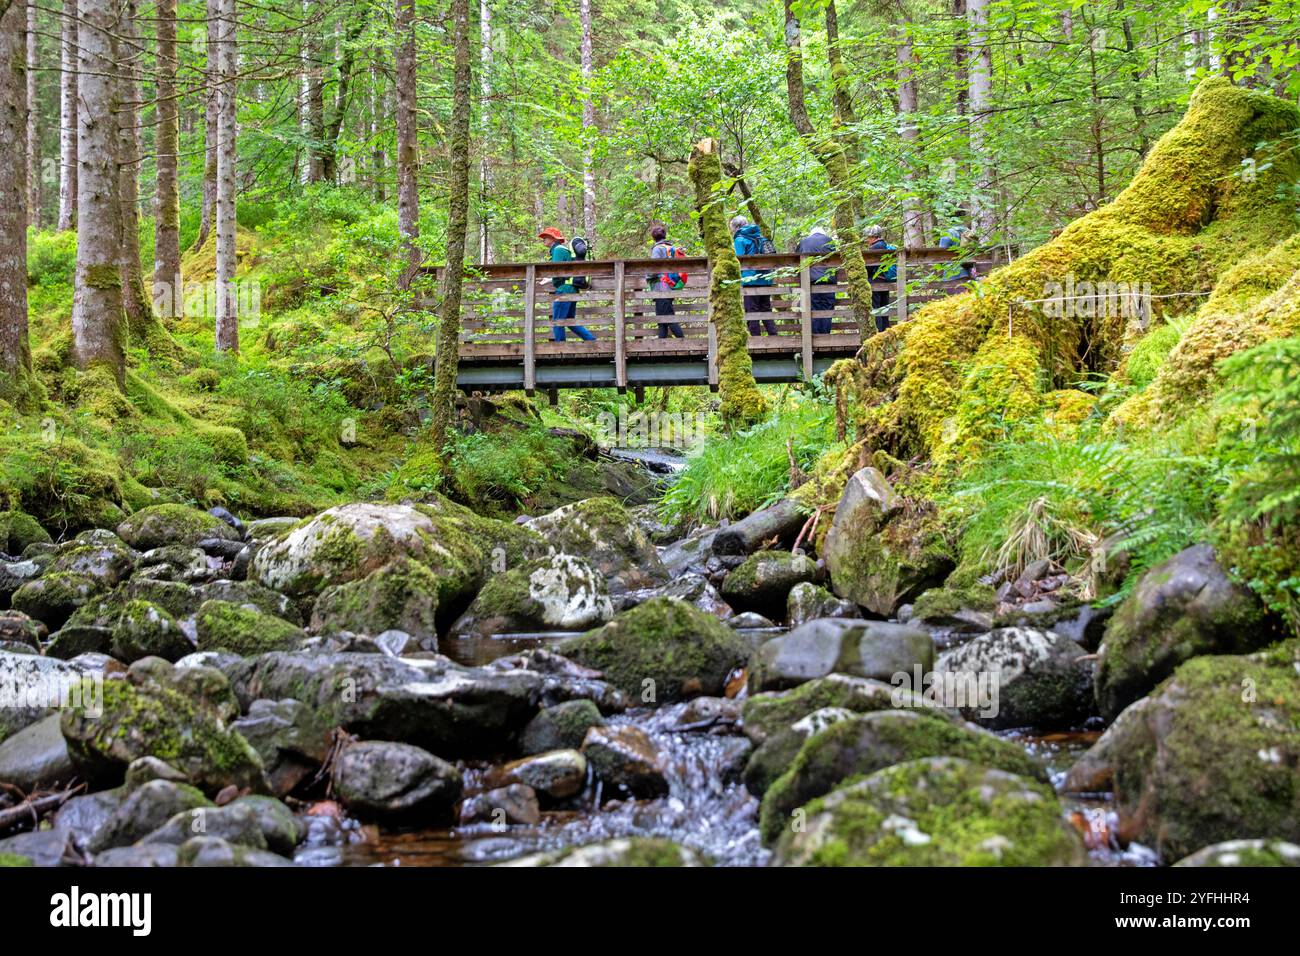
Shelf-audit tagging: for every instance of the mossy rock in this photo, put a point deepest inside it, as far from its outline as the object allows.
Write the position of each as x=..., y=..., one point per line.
x=1182, y=608
x=763, y=581
x=561, y=727
x=662, y=651
x=400, y=596
x=161, y=525
x=144, y=629
x=1234, y=853
x=1212, y=754
x=560, y=592
x=764, y=715
x=142, y=717
x=938, y=811
x=871, y=742
x=223, y=626
x=9, y=860
x=942, y=604
x=53, y=598
x=18, y=530
x=603, y=532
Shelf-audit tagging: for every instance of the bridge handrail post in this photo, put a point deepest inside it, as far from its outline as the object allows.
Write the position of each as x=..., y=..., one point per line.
x=620, y=327
x=900, y=303
x=530, y=329
x=805, y=313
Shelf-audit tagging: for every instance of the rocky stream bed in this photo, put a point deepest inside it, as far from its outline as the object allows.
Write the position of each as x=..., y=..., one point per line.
x=415, y=685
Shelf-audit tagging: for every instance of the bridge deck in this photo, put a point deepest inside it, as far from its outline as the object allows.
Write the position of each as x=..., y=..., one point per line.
x=507, y=339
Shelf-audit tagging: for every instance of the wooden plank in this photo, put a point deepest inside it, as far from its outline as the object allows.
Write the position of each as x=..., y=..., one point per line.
x=805, y=323
x=900, y=304
x=530, y=331
x=620, y=330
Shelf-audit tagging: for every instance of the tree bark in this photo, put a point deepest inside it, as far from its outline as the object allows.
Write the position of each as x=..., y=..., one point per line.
x=742, y=403
x=331, y=129
x=830, y=153
x=97, y=329
x=167, y=282
x=378, y=161
x=484, y=163
x=227, y=334
x=448, y=350
x=408, y=156
x=842, y=97
x=983, y=218
x=209, y=213
x=68, y=117
x=315, y=85
x=588, y=126
x=16, y=384
x=33, y=127
x=905, y=59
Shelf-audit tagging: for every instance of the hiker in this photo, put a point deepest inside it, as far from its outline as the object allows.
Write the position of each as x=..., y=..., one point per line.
x=665, y=281
x=749, y=241
x=952, y=239
x=819, y=243
x=562, y=285
x=880, y=297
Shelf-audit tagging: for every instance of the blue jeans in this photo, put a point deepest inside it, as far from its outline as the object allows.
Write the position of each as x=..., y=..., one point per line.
x=560, y=311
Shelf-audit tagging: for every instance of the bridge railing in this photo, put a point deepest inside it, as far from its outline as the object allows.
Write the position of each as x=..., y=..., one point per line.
x=508, y=308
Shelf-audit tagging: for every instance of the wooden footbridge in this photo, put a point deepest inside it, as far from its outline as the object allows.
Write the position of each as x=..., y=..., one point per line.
x=507, y=342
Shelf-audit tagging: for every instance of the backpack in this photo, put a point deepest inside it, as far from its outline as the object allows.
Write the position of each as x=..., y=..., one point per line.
x=674, y=280
x=580, y=248
x=766, y=247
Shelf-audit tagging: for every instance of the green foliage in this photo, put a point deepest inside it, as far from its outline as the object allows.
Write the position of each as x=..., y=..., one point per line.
x=733, y=475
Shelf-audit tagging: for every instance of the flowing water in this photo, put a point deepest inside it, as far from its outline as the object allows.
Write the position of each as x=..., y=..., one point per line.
x=707, y=808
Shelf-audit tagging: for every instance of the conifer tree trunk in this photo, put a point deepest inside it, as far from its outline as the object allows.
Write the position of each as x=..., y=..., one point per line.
x=408, y=156
x=167, y=201
x=831, y=154
x=16, y=384
x=983, y=220
x=227, y=334
x=68, y=117
x=97, y=320
x=588, y=127
x=33, y=126
x=742, y=403
x=448, y=352
x=484, y=163
x=913, y=219
x=209, y=213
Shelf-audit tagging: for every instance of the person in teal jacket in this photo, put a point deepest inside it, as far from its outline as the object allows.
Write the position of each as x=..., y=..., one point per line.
x=562, y=285
x=749, y=240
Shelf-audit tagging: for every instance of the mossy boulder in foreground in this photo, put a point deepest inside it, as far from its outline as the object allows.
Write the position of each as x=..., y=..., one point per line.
x=762, y=582
x=602, y=532
x=939, y=811
x=1212, y=754
x=18, y=530
x=661, y=651
x=245, y=631
x=560, y=592
x=871, y=742
x=1180, y=609
x=400, y=596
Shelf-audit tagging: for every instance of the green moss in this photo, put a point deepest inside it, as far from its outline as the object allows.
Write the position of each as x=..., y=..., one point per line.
x=161, y=525
x=18, y=530
x=223, y=626
x=935, y=813
x=666, y=646
x=402, y=595
x=14, y=860
x=947, y=601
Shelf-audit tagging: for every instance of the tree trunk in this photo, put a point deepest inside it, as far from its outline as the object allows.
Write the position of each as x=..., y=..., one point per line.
x=378, y=161
x=68, y=117
x=227, y=334
x=842, y=97
x=15, y=349
x=329, y=148
x=742, y=403
x=33, y=127
x=484, y=163
x=210, y=126
x=588, y=127
x=408, y=156
x=983, y=219
x=448, y=351
x=97, y=330
x=830, y=153
x=304, y=98
x=168, y=287
x=905, y=59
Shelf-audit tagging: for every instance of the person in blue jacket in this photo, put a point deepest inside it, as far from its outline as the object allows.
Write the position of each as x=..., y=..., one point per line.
x=749, y=240
x=819, y=243
x=880, y=297
x=561, y=285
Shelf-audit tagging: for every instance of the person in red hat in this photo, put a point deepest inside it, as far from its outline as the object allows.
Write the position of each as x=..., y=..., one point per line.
x=562, y=285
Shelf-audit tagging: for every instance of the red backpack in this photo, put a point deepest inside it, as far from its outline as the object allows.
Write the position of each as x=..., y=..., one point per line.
x=674, y=280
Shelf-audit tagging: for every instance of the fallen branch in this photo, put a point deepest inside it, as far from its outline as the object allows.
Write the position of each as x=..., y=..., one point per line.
x=34, y=807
